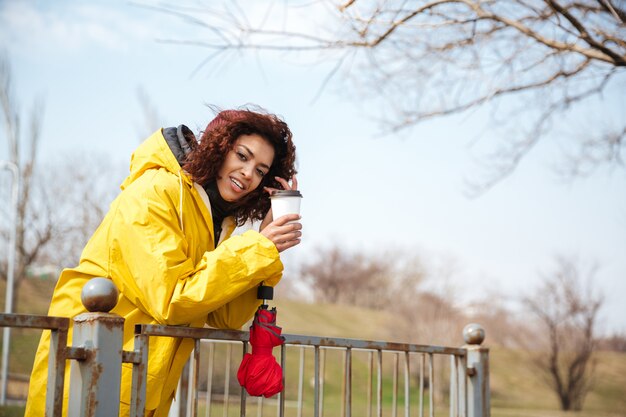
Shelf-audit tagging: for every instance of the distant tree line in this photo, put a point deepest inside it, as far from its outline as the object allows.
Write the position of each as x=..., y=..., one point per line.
x=561, y=334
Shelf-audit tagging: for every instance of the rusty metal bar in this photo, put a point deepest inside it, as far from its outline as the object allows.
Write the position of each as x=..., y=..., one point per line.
x=379, y=387
x=478, y=381
x=56, y=372
x=348, y=382
x=140, y=376
x=183, y=391
x=130, y=356
x=342, y=404
x=77, y=353
x=229, y=349
x=242, y=403
x=431, y=385
x=192, y=332
x=370, y=369
x=371, y=345
x=293, y=339
x=462, y=387
x=422, y=363
x=407, y=385
x=316, y=395
x=209, y=382
x=283, y=364
x=30, y=321
x=58, y=353
x=195, y=373
x=394, y=394
x=322, y=379
x=301, y=382
x=95, y=381
x=453, y=388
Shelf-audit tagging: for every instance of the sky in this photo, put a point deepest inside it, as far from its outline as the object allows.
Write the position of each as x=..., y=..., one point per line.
x=362, y=189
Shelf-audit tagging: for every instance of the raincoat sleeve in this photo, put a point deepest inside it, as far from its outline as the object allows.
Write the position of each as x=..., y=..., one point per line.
x=235, y=314
x=156, y=272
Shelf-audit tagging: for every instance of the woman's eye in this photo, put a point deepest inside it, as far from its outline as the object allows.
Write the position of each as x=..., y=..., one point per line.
x=261, y=173
x=242, y=156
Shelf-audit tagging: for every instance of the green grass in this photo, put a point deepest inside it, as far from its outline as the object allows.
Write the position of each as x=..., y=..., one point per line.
x=517, y=384
x=34, y=299
x=12, y=411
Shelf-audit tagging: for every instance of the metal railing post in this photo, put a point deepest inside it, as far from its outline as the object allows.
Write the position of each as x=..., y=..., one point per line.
x=478, y=392
x=95, y=378
x=11, y=255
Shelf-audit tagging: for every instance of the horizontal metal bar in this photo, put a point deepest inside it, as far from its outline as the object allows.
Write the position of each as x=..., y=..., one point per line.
x=30, y=321
x=293, y=339
x=76, y=353
x=131, y=356
x=192, y=332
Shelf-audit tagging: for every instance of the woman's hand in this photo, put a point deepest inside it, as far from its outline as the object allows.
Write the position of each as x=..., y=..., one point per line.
x=284, y=234
x=294, y=186
x=284, y=183
x=285, y=231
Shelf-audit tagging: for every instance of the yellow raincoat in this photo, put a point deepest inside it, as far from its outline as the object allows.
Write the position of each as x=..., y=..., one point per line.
x=156, y=244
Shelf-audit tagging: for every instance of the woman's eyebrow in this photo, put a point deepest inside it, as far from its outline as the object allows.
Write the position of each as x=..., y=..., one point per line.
x=252, y=155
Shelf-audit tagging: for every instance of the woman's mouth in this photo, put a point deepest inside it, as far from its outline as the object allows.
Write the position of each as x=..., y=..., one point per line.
x=237, y=184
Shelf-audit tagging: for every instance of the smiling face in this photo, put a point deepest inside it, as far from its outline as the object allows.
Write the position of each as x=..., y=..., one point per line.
x=244, y=167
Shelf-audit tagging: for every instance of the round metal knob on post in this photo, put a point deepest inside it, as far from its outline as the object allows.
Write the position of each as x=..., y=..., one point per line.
x=473, y=334
x=99, y=295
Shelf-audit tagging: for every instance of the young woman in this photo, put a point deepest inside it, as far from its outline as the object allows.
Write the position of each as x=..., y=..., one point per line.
x=166, y=242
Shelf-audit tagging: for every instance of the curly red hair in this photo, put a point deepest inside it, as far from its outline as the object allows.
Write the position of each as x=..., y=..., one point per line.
x=205, y=159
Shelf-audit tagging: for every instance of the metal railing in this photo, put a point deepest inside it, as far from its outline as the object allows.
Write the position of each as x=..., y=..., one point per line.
x=97, y=355
x=468, y=384
x=59, y=352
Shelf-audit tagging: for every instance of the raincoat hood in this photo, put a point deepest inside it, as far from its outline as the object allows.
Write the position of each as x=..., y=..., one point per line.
x=154, y=154
x=181, y=141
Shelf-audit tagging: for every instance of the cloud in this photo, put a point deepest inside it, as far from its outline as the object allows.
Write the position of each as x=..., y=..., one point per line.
x=68, y=26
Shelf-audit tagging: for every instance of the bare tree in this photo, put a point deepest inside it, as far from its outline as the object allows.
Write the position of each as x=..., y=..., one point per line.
x=85, y=184
x=538, y=58
x=35, y=228
x=504, y=327
x=615, y=342
x=55, y=215
x=428, y=306
x=418, y=295
x=567, y=309
x=336, y=275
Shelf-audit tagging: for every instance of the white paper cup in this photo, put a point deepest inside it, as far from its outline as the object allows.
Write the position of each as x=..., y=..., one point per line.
x=285, y=202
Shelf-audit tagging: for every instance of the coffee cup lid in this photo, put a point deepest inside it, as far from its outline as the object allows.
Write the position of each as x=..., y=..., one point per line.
x=286, y=193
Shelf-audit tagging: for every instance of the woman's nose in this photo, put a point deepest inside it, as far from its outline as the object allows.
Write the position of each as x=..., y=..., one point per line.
x=247, y=171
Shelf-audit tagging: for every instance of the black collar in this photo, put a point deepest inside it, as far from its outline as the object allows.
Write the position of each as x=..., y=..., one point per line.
x=220, y=208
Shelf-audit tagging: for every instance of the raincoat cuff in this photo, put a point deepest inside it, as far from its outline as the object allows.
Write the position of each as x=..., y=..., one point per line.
x=265, y=242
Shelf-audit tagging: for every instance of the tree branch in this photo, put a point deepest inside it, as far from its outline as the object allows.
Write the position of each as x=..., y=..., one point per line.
x=586, y=36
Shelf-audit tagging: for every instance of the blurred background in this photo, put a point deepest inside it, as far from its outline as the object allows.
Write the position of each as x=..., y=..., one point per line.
x=454, y=168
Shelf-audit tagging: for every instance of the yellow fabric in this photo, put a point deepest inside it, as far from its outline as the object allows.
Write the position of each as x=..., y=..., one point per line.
x=166, y=274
